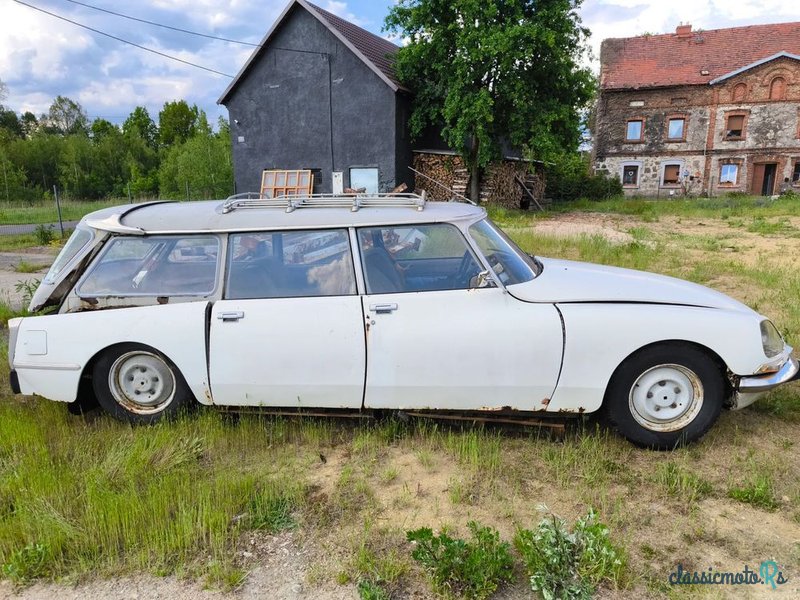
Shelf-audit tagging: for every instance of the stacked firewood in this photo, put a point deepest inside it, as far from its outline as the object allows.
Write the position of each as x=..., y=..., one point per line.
x=446, y=169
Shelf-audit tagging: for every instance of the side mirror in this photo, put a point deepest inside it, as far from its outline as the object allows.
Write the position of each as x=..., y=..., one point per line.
x=482, y=280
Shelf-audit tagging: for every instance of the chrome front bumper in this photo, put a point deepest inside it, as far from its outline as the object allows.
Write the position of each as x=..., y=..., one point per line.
x=751, y=388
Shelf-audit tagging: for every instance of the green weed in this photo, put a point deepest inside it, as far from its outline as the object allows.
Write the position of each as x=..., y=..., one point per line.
x=26, y=267
x=26, y=564
x=569, y=566
x=758, y=491
x=472, y=569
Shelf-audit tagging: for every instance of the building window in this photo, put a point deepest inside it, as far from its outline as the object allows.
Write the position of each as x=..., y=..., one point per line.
x=734, y=127
x=796, y=172
x=739, y=92
x=777, y=89
x=672, y=174
x=676, y=128
x=634, y=130
x=364, y=180
x=630, y=175
x=729, y=174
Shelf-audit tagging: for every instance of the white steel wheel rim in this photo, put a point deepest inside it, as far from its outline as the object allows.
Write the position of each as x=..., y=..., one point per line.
x=666, y=397
x=141, y=382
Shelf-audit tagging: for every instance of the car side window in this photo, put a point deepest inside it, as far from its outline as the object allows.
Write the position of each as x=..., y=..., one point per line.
x=290, y=264
x=416, y=259
x=154, y=266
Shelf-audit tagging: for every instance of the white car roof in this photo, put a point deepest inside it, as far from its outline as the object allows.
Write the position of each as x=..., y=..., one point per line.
x=207, y=216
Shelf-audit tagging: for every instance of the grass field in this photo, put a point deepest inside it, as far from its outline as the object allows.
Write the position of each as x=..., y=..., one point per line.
x=86, y=497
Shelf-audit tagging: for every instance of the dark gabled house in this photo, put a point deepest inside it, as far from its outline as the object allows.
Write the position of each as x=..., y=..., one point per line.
x=320, y=93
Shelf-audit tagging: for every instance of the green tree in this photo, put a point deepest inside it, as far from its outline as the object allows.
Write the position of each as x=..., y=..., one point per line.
x=139, y=124
x=101, y=128
x=67, y=117
x=177, y=122
x=203, y=162
x=491, y=72
x=10, y=122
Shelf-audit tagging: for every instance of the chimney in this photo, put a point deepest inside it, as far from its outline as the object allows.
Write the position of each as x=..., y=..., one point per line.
x=683, y=31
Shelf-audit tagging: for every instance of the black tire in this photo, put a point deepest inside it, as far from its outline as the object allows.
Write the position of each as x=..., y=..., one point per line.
x=665, y=396
x=139, y=385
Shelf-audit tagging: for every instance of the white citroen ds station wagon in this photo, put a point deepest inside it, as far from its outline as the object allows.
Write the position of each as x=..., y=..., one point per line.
x=371, y=303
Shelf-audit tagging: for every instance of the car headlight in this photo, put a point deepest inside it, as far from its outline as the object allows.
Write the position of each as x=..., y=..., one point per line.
x=771, y=339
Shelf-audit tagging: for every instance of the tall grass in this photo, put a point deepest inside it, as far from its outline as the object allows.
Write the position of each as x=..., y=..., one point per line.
x=102, y=497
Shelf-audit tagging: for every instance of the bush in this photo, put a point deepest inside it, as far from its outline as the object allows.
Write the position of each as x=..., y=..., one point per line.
x=568, y=566
x=570, y=179
x=471, y=569
x=44, y=234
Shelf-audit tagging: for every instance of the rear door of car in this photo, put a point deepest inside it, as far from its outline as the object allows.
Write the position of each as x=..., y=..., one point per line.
x=289, y=331
x=435, y=342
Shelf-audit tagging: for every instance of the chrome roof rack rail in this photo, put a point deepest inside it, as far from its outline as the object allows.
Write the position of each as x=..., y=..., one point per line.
x=352, y=201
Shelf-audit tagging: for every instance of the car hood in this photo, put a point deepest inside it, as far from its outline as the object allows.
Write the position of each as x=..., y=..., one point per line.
x=564, y=281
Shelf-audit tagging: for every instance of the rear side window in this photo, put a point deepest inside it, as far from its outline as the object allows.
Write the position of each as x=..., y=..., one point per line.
x=76, y=243
x=290, y=264
x=154, y=266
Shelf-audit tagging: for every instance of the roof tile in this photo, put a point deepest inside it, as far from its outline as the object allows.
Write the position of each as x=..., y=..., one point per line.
x=669, y=59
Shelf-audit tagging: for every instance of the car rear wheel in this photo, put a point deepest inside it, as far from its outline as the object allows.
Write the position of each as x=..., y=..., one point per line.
x=665, y=395
x=138, y=384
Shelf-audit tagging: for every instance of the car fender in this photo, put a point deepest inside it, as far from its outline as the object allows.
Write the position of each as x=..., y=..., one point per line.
x=52, y=351
x=600, y=336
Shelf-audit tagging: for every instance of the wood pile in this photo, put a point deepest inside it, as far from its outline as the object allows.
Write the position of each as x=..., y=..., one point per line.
x=446, y=169
x=499, y=184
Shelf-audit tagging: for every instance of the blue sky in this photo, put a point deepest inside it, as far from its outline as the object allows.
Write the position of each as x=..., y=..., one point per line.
x=42, y=57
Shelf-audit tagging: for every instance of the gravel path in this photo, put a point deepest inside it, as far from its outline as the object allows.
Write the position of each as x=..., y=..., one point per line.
x=9, y=278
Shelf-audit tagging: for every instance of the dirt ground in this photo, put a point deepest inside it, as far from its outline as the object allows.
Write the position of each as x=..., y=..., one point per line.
x=9, y=278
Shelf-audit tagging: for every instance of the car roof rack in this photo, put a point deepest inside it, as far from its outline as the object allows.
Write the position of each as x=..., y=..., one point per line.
x=351, y=201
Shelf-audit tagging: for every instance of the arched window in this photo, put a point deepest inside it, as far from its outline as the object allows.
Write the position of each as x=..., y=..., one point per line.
x=777, y=89
x=739, y=92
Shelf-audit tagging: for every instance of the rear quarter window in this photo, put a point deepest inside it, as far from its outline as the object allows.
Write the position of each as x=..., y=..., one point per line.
x=154, y=266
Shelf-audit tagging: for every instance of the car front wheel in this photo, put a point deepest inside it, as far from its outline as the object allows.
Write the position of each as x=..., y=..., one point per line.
x=137, y=384
x=666, y=395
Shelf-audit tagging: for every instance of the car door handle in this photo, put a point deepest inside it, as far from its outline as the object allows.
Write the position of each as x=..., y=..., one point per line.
x=383, y=308
x=233, y=315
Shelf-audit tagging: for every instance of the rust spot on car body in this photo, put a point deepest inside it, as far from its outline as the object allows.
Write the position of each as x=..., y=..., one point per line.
x=163, y=299
x=546, y=402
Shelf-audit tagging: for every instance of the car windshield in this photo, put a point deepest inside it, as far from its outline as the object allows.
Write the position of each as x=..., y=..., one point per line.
x=77, y=242
x=510, y=264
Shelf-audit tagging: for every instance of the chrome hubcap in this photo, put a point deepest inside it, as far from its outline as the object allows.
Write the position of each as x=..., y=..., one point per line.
x=666, y=397
x=141, y=382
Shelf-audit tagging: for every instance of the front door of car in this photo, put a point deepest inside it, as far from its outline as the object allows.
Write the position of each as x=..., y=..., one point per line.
x=433, y=342
x=290, y=330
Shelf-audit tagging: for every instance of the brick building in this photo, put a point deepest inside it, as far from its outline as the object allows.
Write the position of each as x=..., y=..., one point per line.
x=701, y=112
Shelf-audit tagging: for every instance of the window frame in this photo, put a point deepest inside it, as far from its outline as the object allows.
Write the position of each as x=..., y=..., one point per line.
x=676, y=117
x=622, y=168
x=670, y=163
x=738, y=166
x=365, y=168
x=476, y=255
x=225, y=283
x=735, y=138
x=795, y=172
x=110, y=242
x=640, y=139
x=739, y=86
